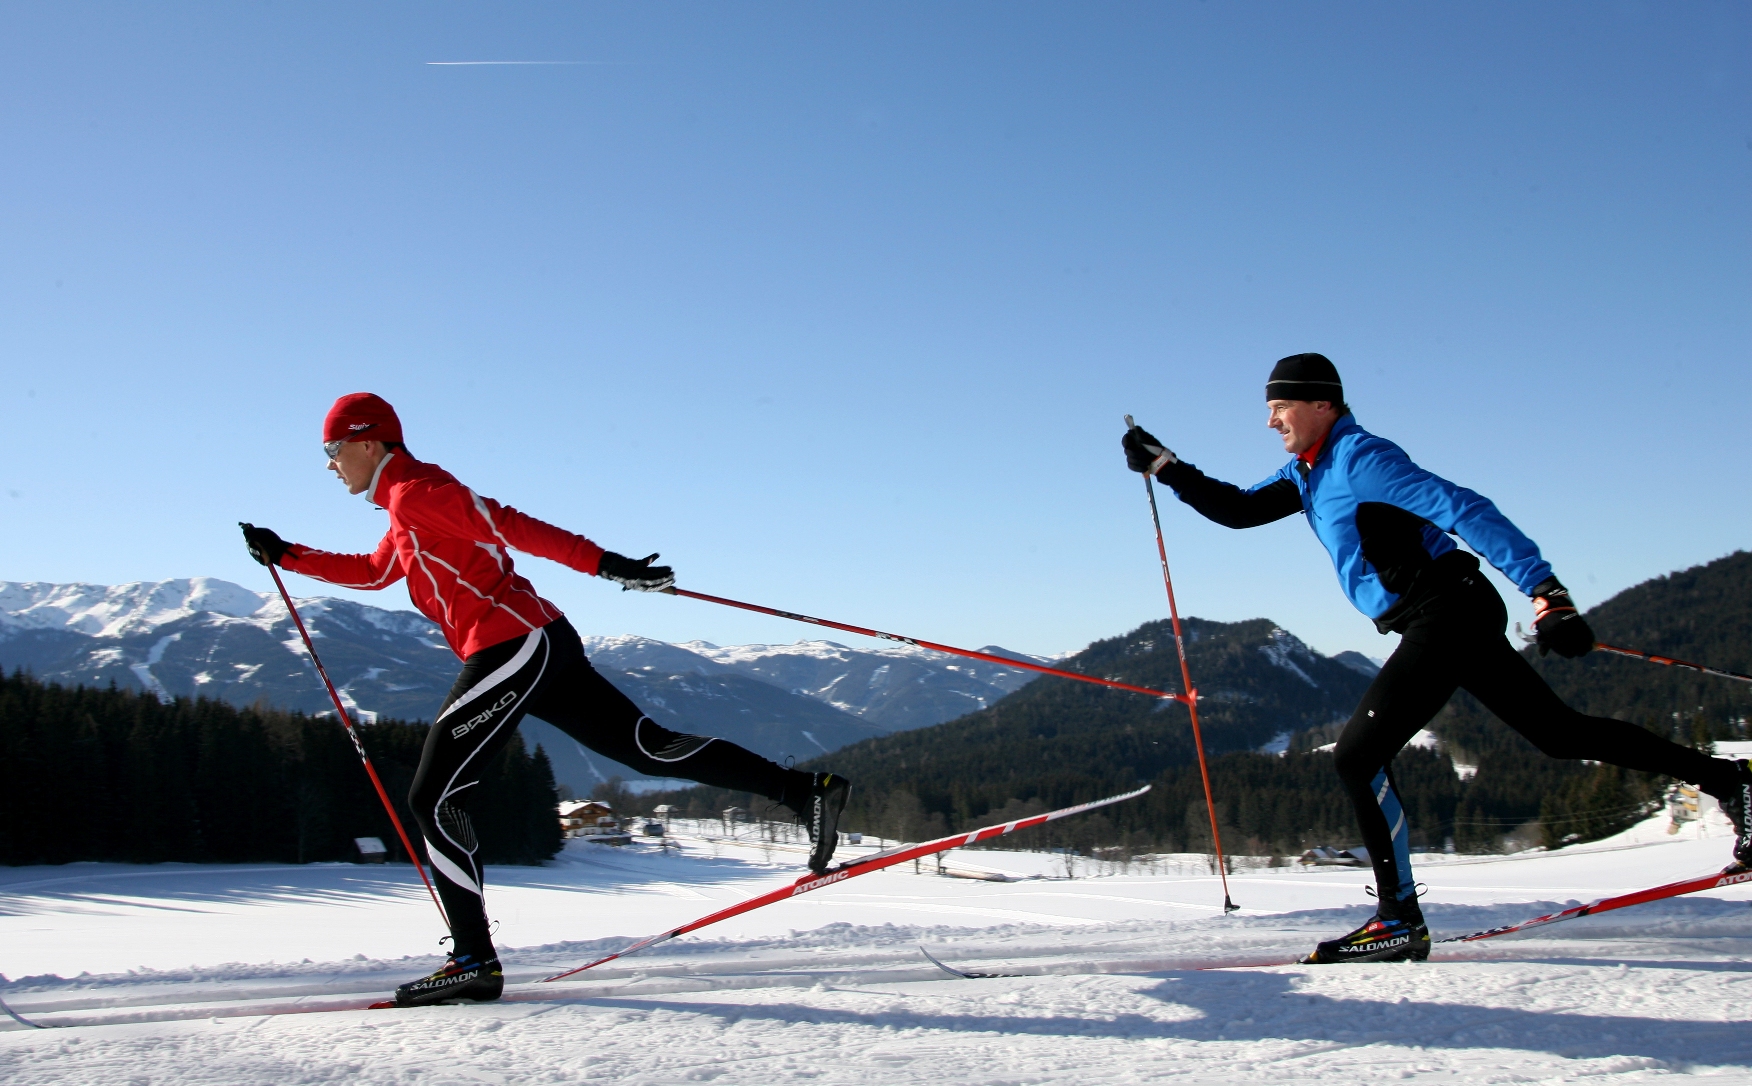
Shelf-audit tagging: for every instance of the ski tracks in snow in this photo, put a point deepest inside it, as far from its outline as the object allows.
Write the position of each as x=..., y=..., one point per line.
x=1453, y=1022
x=1109, y=990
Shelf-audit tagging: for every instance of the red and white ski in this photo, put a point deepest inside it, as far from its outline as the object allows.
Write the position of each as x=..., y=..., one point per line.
x=1733, y=876
x=852, y=869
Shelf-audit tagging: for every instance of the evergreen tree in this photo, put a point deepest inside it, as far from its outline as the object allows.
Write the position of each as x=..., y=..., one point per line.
x=120, y=776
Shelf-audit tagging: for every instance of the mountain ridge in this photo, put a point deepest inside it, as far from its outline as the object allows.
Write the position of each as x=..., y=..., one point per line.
x=206, y=637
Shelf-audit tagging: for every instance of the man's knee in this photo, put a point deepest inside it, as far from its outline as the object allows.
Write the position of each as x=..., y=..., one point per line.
x=423, y=800
x=1356, y=764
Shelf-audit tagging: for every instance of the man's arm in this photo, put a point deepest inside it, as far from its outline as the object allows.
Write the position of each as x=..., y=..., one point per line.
x=1228, y=504
x=379, y=569
x=1383, y=473
x=456, y=510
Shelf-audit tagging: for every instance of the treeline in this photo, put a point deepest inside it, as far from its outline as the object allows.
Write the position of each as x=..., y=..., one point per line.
x=1266, y=806
x=117, y=775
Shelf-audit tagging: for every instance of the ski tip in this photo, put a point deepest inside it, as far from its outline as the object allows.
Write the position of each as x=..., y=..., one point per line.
x=386, y=1005
x=932, y=958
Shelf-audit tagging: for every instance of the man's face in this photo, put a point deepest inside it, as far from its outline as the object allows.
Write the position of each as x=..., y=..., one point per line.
x=356, y=462
x=1302, y=423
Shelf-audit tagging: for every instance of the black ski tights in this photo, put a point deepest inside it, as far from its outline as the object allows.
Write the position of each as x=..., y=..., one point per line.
x=1458, y=642
x=546, y=675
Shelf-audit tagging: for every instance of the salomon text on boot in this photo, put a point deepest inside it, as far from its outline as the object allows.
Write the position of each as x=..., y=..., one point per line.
x=1735, y=797
x=464, y=976
x=1397, y=933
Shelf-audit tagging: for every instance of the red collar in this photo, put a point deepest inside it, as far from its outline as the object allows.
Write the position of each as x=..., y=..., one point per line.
x=1309, y=455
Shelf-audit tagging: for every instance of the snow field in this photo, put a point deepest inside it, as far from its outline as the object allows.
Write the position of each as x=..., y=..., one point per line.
x=831, y=988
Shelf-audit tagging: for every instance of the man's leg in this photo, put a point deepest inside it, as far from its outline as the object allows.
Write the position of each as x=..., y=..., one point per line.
x=576, y=699
x=1491, y=670
x=1410, y=689
x=477, y=720
x=1506, y=683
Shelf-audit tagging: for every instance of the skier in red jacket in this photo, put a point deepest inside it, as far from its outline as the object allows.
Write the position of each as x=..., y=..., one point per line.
x=519, y=655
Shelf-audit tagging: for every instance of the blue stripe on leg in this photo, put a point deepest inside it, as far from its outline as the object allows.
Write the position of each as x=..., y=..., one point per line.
x=1399, y=829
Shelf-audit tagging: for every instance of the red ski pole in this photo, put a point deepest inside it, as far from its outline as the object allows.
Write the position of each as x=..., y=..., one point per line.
x=1671, y=662
x=932, y=645
x=353, y=734
x=1653, y=658
x=1191, y=698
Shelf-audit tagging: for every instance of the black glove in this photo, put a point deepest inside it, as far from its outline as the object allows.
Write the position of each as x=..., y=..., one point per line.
x=1557, y=625
x=638, y=575
x=1144, y=453
x=264, y=545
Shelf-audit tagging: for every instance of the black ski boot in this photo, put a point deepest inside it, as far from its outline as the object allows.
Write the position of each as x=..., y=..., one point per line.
x=1736, y=803
x=828, y=793
x=1397, y=933
x=464, y=976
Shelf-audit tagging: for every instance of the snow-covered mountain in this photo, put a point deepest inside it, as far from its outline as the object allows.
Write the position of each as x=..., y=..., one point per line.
x=893, y=686
x=206, y=637
x=203, y=636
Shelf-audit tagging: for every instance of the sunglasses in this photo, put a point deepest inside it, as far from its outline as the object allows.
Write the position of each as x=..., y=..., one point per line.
x=332, y=449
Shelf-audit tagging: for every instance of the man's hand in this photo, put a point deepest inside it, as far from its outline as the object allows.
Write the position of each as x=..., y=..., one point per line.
x=264, y=546
x=1143, y=453
x=1557, y=625
x=632, y=575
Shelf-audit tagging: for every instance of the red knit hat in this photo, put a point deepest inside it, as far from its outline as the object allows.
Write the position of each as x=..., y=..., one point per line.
x=355, y=411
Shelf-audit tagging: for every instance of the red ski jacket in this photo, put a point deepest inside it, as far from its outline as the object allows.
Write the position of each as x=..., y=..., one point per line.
x=453, y=546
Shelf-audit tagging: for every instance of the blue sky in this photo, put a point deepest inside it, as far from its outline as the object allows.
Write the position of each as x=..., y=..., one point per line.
x=839, y=306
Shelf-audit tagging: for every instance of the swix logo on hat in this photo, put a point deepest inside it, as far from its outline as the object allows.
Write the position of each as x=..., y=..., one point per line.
x=358, y=411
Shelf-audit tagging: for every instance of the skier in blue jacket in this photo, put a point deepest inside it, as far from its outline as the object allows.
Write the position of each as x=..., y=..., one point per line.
x=1386, y=523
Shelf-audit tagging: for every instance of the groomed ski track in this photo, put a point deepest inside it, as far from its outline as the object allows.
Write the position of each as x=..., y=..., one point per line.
x=1114, y=983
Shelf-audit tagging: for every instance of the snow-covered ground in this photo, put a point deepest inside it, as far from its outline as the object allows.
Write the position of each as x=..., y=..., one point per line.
x=188, y=974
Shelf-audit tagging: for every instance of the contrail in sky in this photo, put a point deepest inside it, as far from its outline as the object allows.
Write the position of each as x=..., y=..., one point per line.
x=462, y=63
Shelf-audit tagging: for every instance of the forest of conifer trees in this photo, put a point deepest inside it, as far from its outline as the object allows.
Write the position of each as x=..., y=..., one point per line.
x=117, y=775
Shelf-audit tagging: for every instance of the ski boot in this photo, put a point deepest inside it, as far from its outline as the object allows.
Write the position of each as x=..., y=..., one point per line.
x=827, y=797
x=1397, y=933
x=1736, y=803
x=464, y=976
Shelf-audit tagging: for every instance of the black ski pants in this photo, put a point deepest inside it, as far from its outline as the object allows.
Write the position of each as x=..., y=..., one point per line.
x=545, y=674
x=1458, y=642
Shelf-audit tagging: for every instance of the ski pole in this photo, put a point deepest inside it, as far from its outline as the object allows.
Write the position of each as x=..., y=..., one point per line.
x=353, y=734
x=1653, y=658
x=1191, y=698
x=1671, y=662
x=932, y=645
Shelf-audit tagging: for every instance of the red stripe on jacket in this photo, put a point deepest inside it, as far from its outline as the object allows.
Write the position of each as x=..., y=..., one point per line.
x=453, y=546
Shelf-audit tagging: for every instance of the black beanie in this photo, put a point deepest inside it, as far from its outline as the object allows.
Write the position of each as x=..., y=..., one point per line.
x=1305, y=377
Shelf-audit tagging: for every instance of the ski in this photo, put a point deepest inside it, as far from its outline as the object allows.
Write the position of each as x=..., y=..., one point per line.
x=854, y=868
x=1735, y=875
x=16, y=1017
x=932, y=958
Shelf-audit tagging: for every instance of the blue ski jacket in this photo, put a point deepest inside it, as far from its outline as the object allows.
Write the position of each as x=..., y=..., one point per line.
x=1365, y=499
